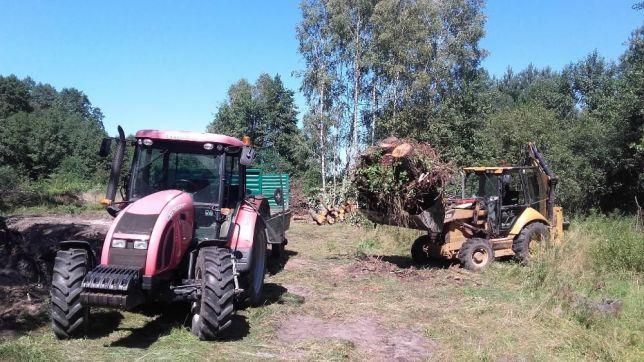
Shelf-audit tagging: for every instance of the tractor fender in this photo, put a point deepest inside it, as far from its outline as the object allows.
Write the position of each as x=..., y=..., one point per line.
x=528, y=216
x=80, y=244
x=243, y=235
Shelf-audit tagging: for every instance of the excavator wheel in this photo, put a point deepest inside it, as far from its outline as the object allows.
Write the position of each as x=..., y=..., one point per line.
x=69, y=318
x=475, y=254
x=530, y=241
x=212, y=315
x=419, y=250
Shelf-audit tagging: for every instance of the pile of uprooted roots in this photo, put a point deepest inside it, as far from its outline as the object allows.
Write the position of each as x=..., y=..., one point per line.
x=400, y=175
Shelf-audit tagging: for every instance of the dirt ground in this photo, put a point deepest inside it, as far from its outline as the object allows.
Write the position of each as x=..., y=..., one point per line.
x=336, y=295
x=28, y=247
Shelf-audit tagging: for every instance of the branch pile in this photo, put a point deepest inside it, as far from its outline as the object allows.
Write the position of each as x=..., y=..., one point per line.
x=400, y=175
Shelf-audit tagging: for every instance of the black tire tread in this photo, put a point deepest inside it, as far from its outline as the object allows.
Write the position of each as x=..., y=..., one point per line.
x=418, y=255
x=218, y=293
x=521, y=244
x=69, y=317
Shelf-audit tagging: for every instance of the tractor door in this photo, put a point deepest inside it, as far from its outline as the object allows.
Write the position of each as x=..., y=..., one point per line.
x=513, y=199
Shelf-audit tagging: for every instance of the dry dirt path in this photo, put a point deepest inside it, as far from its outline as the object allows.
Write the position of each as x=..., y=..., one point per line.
x=341, y=292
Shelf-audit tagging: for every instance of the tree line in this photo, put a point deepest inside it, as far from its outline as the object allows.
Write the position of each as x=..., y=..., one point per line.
x=412, y=68
x=373, y=69
x=47, y=133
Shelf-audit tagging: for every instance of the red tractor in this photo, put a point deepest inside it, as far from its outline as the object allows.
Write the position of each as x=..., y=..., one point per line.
x=186, y=229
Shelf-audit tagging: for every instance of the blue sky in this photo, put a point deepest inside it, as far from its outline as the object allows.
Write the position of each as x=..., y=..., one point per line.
x=168, y=64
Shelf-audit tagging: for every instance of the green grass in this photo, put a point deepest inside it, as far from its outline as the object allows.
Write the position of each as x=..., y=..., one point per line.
x=547, y=311
x=59, y=194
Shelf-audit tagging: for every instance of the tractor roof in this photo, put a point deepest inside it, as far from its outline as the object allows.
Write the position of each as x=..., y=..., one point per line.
x=495, y=169
x=188, y=136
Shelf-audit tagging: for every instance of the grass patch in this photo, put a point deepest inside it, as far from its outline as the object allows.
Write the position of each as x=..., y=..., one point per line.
x=58, y=194
x=25, y=349
x=593, y=281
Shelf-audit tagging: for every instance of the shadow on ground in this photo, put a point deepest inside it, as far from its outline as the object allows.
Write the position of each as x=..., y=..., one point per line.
x=276, y=265
x=103, y=322
x=406, y=262
x=166, y=318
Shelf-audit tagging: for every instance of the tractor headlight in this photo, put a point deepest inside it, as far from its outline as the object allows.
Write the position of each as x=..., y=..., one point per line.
x=118, y=243
x=140, y=244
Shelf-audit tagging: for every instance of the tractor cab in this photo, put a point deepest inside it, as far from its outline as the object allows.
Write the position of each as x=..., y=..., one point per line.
x=208, y=169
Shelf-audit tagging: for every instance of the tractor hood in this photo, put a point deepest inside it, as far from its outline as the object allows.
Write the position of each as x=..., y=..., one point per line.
x=157, y=219
x=154, y=203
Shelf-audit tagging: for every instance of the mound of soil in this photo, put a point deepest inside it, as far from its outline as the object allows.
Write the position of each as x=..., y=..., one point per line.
x=28, y=246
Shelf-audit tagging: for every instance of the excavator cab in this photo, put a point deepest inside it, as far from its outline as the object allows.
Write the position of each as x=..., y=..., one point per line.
x=506, y=193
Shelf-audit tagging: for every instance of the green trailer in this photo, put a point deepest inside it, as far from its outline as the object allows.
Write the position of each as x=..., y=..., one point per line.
x=259, y=182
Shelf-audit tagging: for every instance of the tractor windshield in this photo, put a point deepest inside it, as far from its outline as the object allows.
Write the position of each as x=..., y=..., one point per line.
x=164, y=166
x=480, y=185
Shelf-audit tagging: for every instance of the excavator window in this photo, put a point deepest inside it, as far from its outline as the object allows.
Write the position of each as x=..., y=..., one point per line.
x=512, y=189
x=481, y=185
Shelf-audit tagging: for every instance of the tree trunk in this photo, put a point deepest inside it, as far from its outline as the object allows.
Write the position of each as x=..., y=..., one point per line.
x=373, y=112
x=356, y=93
x=322, y=140
x=396, y=95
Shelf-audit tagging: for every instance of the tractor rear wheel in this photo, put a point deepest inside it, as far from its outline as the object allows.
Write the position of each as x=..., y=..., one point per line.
x=257, y=272
x=475, y=254
x=212, y=315
x=530, y=241
x=419, y=250
x=69, y=318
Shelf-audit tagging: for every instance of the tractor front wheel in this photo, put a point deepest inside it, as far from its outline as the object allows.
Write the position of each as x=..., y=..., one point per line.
x=212, y=315
x=475, y=254
x=69, y=318
x=530, y=242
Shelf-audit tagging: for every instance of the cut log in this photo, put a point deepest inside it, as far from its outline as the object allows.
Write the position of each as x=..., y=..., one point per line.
x=316, y=217
x=402, y=150
x=388, y=143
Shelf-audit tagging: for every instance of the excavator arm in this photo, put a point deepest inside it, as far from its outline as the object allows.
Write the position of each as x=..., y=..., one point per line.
x=535, y=158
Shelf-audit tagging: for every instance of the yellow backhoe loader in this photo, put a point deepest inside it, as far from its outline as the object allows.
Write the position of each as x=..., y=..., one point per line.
x=502, y=211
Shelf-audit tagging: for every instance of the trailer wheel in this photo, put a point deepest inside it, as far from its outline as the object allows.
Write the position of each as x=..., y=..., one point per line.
x=69, y=318
x=212, y=314
x=419, y=250
x=277, y=250
x=255, y=277
x=527, y=244
x=475, y=254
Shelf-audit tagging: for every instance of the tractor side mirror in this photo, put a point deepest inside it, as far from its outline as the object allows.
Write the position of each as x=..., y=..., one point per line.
x=247, y=155
x=278, y=196
x=106, y=144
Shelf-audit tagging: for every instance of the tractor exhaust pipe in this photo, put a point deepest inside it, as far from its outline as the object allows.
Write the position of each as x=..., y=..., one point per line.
x=117, y=164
